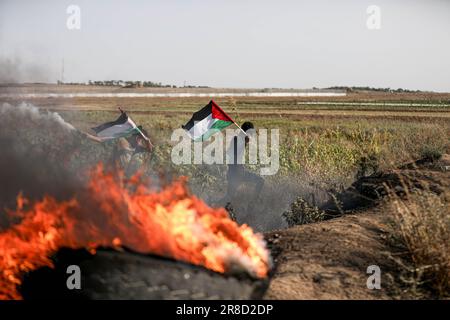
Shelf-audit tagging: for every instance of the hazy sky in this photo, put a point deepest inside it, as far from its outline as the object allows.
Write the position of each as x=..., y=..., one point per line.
x=245, y=43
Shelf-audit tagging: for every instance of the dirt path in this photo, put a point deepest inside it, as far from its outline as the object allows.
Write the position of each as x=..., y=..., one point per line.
x=329, y=260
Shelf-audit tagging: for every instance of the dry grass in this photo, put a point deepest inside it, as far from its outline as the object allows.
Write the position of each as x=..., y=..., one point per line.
x=421, y=222
x=327, y=149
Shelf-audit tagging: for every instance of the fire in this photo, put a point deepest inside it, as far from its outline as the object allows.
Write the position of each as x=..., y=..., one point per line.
x=109, y=212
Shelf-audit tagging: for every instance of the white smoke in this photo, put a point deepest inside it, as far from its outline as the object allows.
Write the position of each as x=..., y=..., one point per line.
x=29, y=112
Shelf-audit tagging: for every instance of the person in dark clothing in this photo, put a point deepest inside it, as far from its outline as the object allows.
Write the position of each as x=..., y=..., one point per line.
x=237, y=175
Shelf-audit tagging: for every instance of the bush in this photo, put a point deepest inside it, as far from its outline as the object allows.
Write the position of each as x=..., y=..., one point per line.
x=302, y=213
x=422, y=224
x=432, y=153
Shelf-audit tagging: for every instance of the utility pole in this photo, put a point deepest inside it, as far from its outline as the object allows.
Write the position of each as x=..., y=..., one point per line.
x=62, y=72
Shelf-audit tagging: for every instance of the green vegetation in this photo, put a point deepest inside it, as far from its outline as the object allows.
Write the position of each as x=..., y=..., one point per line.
x=398, y=90
x=329, y=151
x=301, y=212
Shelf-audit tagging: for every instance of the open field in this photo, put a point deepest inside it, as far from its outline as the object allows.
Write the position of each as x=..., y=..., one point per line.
x=324, y=141
x=387, y=118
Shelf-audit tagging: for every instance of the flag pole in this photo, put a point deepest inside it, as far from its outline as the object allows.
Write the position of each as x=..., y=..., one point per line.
x=238, y=127
x=229, y=117
x=139, y=131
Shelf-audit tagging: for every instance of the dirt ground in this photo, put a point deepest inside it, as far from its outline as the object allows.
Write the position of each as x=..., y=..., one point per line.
x=329, y=260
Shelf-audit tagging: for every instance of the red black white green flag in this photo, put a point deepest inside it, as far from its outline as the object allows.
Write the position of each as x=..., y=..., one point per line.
x=206, y=122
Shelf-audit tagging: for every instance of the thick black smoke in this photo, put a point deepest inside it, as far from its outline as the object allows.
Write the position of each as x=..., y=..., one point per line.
x=36, y=154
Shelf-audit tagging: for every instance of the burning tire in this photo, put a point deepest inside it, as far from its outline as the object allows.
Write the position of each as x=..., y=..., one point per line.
x=124, y=275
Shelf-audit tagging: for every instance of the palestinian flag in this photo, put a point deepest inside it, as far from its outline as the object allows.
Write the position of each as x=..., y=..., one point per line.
x=122, y=127
x=207, y=121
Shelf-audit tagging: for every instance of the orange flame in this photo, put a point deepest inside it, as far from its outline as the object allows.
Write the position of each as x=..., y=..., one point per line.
x=170, y=223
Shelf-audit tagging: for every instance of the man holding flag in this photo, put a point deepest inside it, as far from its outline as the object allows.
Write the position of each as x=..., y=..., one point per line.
x=132, y=150
x=212, y=119
x=237, y=174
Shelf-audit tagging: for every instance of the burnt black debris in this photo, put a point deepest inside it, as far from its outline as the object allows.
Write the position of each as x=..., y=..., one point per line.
x=111, y=274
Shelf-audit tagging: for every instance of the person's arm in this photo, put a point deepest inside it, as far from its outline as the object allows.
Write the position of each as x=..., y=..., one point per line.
x=93, y=138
